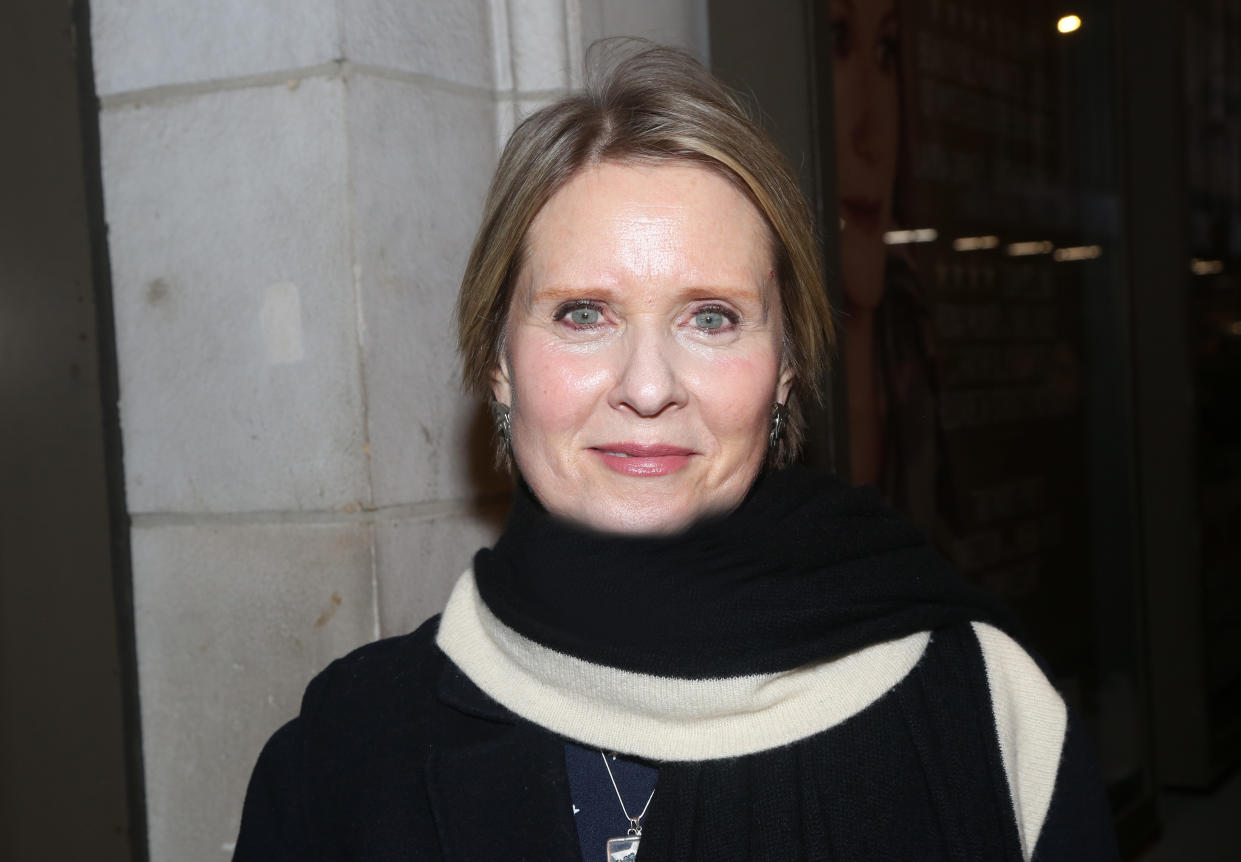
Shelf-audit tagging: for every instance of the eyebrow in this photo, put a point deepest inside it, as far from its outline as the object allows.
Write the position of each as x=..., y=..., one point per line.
x=561, y=293
x=558, y=293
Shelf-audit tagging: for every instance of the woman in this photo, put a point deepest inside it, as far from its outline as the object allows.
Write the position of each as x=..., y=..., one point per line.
x=675, y=642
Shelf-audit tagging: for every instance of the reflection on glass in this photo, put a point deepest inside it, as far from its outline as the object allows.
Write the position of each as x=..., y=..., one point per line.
x=1212, y=128
x=1206, y=267
x=1021, y=249
x=1076, y=252
x=977, y=393
x=904, y=237
x=975, y=243
x=879, y=293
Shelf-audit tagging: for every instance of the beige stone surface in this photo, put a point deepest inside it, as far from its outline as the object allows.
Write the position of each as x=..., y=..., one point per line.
x=236, y=319
x=421, y=159
x=138, y=44
x=232, y=621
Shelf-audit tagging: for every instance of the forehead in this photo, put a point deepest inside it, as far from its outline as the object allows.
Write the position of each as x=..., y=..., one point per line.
x=617, y=223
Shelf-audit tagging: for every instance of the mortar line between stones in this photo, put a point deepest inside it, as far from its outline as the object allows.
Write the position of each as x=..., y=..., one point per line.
x=504, y=113
x=173, y=93
x=177, y=92
x=430, y=82
x=382, y=515
x=573, y=42
x=377, y=628
x=359, y=326
x=512, y=55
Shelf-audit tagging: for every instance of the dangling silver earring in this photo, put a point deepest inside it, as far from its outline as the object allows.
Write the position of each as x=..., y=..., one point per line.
x=779, y=419
x=500, y=414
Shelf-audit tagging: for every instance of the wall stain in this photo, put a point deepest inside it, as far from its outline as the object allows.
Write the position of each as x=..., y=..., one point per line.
x=157, y=291
x=326, y=616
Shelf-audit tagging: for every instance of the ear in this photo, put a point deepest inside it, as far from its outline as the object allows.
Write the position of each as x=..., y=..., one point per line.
x=501, y=382
x=785, y=384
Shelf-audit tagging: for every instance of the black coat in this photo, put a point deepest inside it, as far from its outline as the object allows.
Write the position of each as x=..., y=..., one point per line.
x=396, y=755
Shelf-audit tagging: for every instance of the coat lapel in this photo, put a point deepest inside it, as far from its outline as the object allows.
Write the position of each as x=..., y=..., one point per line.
x=497, y=783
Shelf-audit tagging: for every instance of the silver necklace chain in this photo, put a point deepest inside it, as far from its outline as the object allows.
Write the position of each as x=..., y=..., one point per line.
x=635, y=823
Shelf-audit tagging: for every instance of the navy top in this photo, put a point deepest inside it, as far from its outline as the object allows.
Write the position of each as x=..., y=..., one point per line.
x=596, y=811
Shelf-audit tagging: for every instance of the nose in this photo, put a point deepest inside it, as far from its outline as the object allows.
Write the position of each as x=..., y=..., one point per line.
x=648, y=380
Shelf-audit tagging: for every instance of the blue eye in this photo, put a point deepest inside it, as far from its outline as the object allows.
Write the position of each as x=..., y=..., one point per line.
x=580, y=314
x=584, y=315
x=713, y=319
x=708, y=320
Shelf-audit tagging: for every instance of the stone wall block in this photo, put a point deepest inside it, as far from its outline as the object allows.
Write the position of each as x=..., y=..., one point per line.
x=526, y=107
x=419, y=561
x=539, y=45
x=235, y=306
x=445, y=39
x=148, y=43
x=422, y=158
x=502, y=59
x=505, y=121
x=680, y=22
x=232, y=622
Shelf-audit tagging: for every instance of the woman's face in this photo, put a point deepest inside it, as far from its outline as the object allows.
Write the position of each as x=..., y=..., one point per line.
x=643, y=348
x=866, y=36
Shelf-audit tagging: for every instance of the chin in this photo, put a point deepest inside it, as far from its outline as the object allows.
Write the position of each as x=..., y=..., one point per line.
x=594, y=494
x=640, y=519
x=654, y=511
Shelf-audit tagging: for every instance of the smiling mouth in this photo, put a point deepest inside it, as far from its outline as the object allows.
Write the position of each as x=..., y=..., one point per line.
x=635, y=459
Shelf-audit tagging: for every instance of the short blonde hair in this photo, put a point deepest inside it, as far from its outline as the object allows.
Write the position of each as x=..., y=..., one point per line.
x=647, y=104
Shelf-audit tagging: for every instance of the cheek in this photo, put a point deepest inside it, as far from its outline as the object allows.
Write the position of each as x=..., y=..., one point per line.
x=735, y=395
x=554, y=391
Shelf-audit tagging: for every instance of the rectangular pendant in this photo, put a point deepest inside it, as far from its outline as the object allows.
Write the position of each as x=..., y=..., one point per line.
x=623, y=849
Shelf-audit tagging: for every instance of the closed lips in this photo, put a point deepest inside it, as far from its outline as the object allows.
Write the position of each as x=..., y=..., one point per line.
x=633, y=450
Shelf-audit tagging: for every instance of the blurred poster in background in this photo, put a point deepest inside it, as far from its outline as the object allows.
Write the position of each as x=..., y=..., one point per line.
x=979, y=216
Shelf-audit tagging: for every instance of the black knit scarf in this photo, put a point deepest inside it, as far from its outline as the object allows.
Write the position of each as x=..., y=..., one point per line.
x=804, y=570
